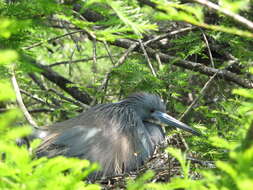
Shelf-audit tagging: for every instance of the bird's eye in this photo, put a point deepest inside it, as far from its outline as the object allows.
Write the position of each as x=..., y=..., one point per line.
x=152, y=111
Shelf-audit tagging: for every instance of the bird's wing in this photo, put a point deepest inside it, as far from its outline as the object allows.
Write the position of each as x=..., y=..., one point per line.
x=109, y=135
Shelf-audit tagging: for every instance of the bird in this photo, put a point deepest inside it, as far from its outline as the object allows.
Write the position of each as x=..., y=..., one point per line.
x=119, y=136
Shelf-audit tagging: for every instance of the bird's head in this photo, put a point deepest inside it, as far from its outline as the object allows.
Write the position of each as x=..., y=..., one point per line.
x=151, y=107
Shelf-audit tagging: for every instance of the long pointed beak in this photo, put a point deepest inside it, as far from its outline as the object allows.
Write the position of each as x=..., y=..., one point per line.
x=165, y=118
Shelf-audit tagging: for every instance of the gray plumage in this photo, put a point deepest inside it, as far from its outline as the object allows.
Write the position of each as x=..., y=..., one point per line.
x=119, y=136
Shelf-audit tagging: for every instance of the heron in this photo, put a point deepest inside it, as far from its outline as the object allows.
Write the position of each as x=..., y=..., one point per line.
x=119, y=136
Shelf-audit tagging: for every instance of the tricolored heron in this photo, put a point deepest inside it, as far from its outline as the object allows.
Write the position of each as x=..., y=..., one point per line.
x=119, y=136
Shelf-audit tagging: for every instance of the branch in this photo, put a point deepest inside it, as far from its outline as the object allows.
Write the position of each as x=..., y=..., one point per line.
x=227, y=12
x=52, y=39
x=78, y=60
x=198, y=67
x=120, y=62
x=78, y=103
x=44, y=88
x=109, y=52
x=39, y=110
x=21, y=103
x=94, y=65
x=147, y=58
x=37, y=98
x=204, y=89
x=63, y=83
x=202, y=92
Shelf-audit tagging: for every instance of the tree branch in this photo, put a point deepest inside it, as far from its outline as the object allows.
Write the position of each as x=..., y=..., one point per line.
x=63, y=83
x=230, y=14
x=198, y=67
x=21, y=103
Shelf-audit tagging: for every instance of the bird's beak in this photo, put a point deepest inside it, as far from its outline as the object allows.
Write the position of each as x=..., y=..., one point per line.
x=165, y=118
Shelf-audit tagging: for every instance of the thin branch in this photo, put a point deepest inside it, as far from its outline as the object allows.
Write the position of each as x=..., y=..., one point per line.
x=69, y=66
x=44, y=88
x=94, y=65
x=74, y=40
x=63, y=83
x=120, y=62
x=147, y=58
x=208, y=49
x=113, y=63
x=52, y=39
x=36, y=98
x=21, y=103
x=203, y=90
x=201, y=93
x=39, y=110
x=227, y=12
x=78, y=103
x=158, y=60
x=37, y=81
x=108, y=52
x=78, y=60
x=198, y=67
x=160, y=37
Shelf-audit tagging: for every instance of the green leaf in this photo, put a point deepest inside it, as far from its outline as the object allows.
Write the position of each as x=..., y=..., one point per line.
x=8, y=56
x=6, y=92
x=247, y=93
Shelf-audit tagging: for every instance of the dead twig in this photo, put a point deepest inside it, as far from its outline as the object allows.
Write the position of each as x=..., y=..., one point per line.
x=78, y=60
x=120, y=62
x=236, y=17
x=78, y=103
x=21, y=103
x=208, y=49
x=94, y=65
x=39, y=110
x=37, y=98
x=52, y=39
x=108, y=52
x=160, y=37
x=147, y=58
x=63, y=83
x=207, y=84
x=194, y=66
x=44, y=88
x=158, y=61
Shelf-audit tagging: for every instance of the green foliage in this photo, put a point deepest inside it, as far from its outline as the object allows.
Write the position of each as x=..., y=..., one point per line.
x=194, y=14
x=139, y=183
x=188, y=45
x=182, y=160
x=18, y=168
x=40, y=29
x=135, y=77
x=177, y=11
x=235, y=173
x=235, y=6
x=131, y=17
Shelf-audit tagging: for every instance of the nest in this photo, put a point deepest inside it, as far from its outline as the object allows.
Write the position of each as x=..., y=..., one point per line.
x=164, y=166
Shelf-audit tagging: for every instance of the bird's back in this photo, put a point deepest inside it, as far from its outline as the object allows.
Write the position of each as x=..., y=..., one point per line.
x=111, y=134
